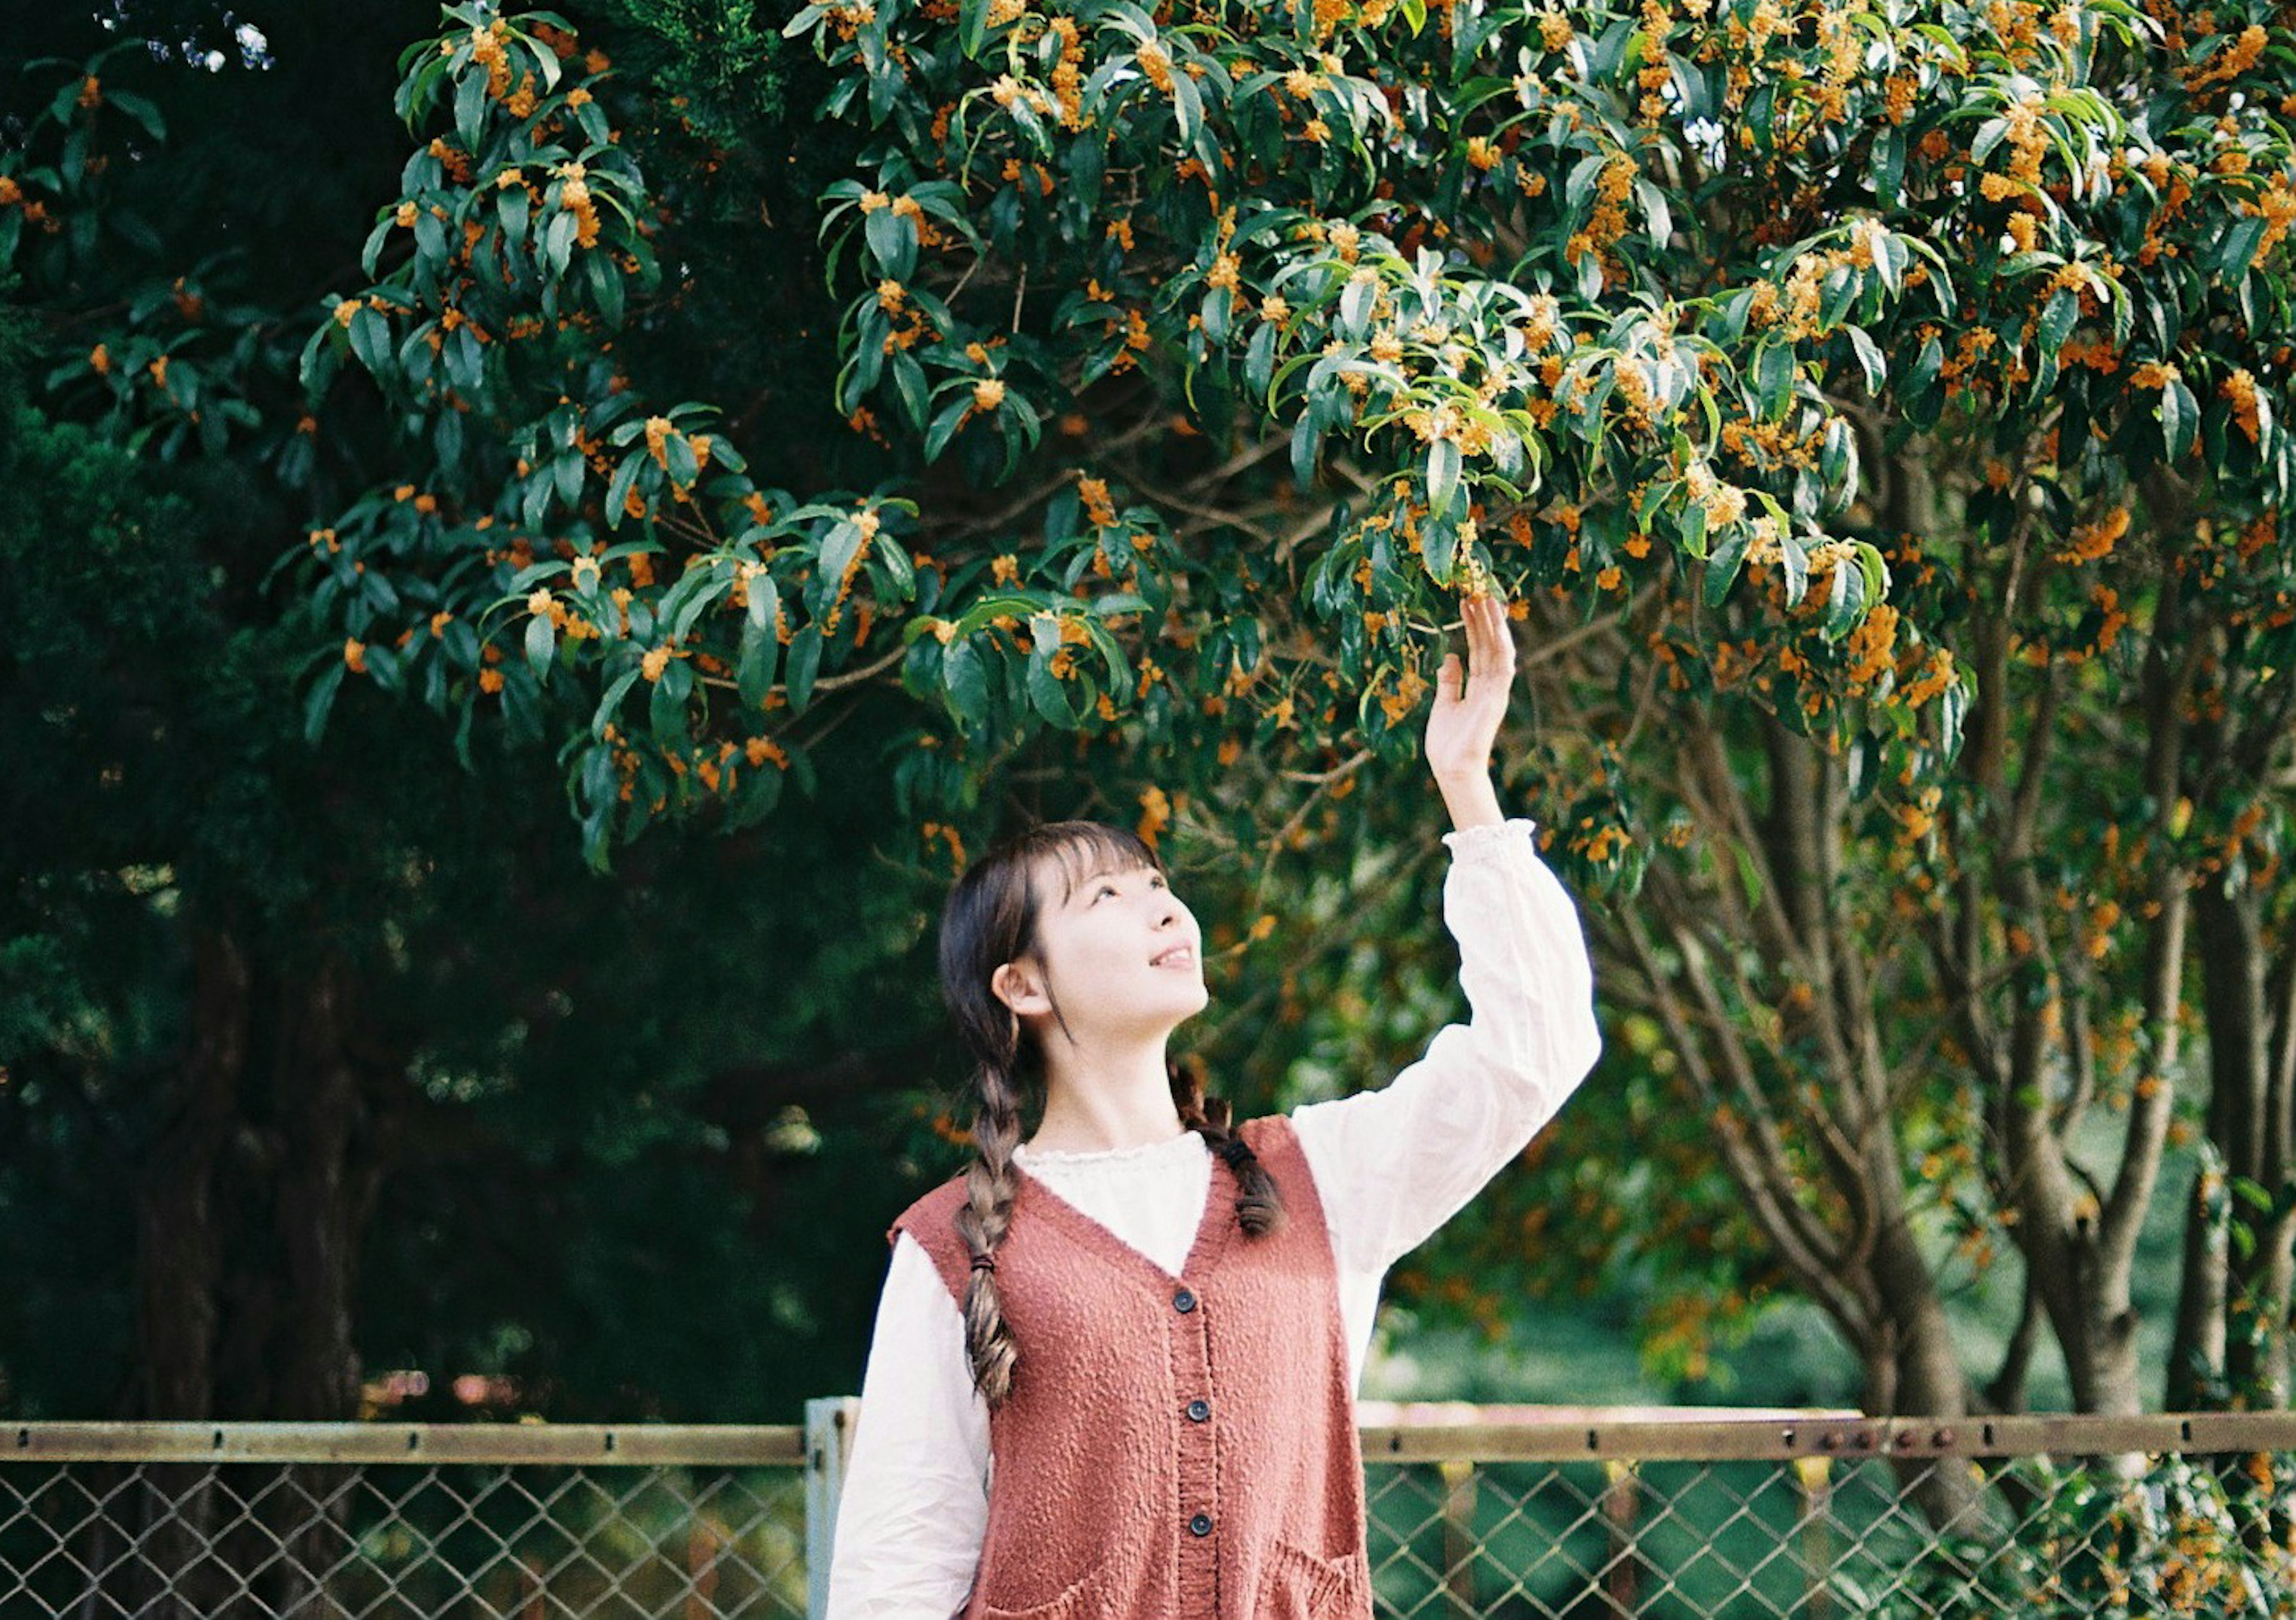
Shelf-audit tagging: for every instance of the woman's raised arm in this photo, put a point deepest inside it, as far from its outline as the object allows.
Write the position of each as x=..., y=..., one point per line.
x=1393, y=1165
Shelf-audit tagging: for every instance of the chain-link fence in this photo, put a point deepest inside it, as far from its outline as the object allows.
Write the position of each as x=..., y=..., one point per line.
x=1810, y=1516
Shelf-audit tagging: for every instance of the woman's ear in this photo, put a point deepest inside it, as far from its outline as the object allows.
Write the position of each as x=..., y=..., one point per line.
x=1021, y=987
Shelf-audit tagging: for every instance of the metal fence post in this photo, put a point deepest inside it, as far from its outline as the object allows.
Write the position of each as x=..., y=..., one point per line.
x=1458, y=1476
x=1814, y=1476
x=1622, y=1509
x=829, y=1425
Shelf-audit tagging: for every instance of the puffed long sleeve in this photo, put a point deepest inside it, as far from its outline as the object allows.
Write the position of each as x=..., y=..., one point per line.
x=915, y=1501
x=1394, y=1163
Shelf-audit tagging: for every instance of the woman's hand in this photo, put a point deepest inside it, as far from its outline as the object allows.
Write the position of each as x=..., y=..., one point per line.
x=1465, y=722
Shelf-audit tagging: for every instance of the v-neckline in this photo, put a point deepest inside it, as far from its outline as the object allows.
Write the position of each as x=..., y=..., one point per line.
x=1211, y=1230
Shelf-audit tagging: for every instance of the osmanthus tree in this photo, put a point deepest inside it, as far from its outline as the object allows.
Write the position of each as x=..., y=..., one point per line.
x=1914, y=994
x=1202, y=351
x=1258, y=211
x=1676, y=321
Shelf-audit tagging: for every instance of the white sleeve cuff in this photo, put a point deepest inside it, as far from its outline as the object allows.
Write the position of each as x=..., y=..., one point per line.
x=1488, y=840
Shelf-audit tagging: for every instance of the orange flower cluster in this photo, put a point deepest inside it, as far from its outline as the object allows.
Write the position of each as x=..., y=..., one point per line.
x=1843, y=48
x=1067, y=73
x=2239, y=390
x=487, y=52
x=1398, y=703
x=1608, y=221
x=2092, y=542
x=1157, y=65
x=1724, y=503
x=2107, y=602
x=1155, y=814
x=1099, y=509
x=2276, y=207
x=2230, y=60
x=574, y=197
x=453, y=160
x=1937, y=673
x=1871, y=647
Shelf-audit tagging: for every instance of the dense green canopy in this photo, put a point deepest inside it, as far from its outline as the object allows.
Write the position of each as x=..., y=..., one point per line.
x=965, y=409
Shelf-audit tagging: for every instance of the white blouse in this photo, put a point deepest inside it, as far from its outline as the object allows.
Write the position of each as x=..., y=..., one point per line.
x=1390, y=1166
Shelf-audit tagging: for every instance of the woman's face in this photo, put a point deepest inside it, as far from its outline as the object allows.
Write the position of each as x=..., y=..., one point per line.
x=1117, y=950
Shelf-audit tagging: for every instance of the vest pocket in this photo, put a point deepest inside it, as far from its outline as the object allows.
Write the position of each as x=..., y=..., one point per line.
x=1303, y=1585
x=1078, y=1602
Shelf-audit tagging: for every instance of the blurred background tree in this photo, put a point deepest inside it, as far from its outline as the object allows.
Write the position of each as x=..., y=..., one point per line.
x=1873, y=412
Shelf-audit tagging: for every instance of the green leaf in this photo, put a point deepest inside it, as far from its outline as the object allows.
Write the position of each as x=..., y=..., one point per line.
x=1048, y=697
x=470, y=107
x=1306, y=441
x=1845, y=603
x=2058, y=320
x=541, y=642
x=965, y=678
x=2237, y=251
x=371, y=341
x=754, y=671
x=1442, y=476
x=894, y=557
x=320, y=700
x=1774, y=375
x=611, y=706
x=945, y=425
x=837, y=553
x=1214, y=314
x=765, y=601
x=2180, y=420
x=1260, y=360
x=666, y=705
x=1869, y=359
x=1722, y=566
x=804, y=665
x=1438, y=547
x=892, y=243
x=909, y=382
x=1693, y=529
x=1889, y=171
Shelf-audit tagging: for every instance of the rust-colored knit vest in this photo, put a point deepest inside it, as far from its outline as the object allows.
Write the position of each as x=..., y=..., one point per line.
x=1173, y=1448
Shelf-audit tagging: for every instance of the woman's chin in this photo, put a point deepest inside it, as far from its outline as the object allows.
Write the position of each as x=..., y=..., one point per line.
x=1189, y=1008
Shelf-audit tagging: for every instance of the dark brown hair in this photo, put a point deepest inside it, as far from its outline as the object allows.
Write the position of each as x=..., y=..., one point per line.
x=990, y=919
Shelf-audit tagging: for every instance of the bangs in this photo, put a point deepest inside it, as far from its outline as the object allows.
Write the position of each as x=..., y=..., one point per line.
x=1084, y=849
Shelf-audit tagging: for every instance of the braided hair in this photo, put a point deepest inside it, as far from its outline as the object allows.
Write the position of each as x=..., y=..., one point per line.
x=990, y=919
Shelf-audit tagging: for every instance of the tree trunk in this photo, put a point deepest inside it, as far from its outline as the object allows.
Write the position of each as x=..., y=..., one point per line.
x=251, y=1209
x=2248, y=1120
x=2196, y=1356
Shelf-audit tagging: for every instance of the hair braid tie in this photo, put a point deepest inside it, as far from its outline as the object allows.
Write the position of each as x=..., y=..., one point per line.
x=1238, y=1154
x=984, y=1263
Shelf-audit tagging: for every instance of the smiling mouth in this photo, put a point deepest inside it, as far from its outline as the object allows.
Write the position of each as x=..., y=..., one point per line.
x=1179, y=956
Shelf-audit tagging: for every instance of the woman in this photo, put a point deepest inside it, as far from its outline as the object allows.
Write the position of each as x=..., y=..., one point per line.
x=1114, y=1367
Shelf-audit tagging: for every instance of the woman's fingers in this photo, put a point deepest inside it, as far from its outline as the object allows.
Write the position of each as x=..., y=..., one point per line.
x=1490, y=649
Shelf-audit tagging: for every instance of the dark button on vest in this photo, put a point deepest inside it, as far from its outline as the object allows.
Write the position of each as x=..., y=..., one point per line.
x=1184, y=1302
x=1202, y=1525
x=1199, y=1409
